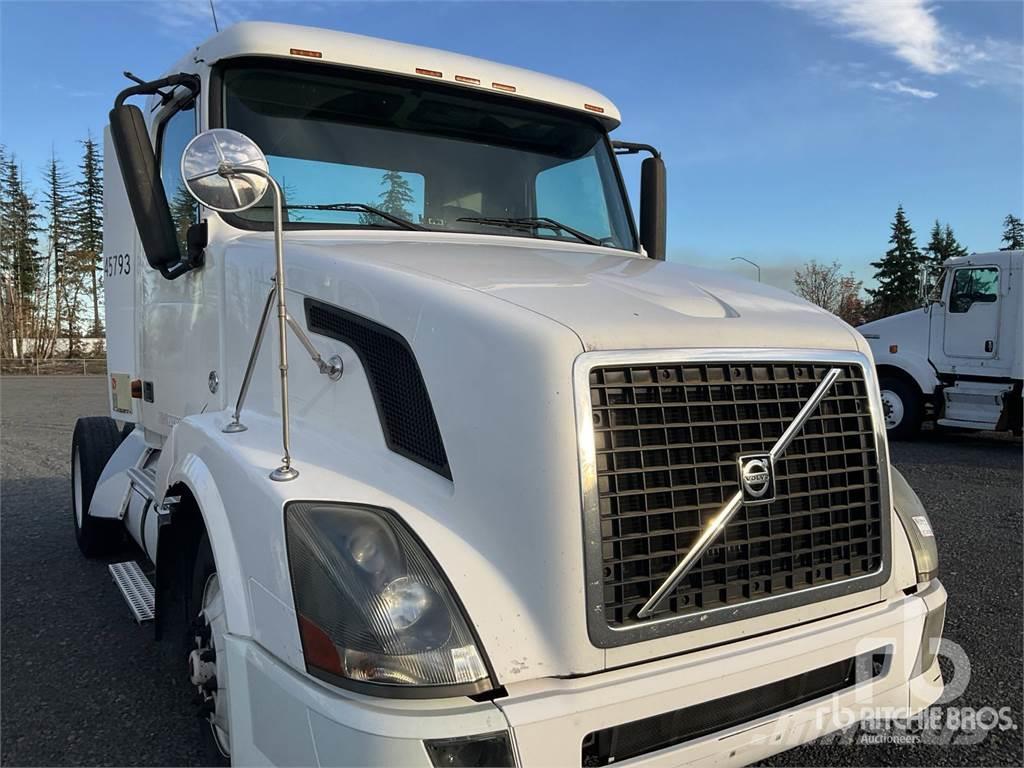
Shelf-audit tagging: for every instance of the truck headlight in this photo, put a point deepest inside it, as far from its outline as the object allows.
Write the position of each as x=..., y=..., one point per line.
x=915, y=522
x=372, y=606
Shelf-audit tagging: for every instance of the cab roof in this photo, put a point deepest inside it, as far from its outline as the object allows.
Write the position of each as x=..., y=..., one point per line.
x=311, y=44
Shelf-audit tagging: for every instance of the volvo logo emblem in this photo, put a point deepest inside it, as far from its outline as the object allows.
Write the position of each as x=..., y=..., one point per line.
x=757, y=478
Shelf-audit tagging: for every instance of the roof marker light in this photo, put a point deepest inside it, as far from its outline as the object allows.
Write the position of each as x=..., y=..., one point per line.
x=429, y=72
x=470, y=80
x=504, y=87
x=594, y=108
x=304, y=52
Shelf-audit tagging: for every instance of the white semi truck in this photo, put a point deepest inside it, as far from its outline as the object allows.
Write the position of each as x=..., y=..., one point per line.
x=541, y=498
x=958, y=360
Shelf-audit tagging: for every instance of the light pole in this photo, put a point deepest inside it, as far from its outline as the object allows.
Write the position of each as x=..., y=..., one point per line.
x=751, y=263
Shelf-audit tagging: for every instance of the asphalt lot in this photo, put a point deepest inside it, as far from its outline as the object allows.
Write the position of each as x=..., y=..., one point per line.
x=82, y=684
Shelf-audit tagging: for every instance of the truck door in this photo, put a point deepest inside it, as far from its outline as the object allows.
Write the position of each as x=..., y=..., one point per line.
x=180, y=321
x=972, y=313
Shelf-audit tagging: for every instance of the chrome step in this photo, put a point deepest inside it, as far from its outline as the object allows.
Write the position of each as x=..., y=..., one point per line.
x=135, y=588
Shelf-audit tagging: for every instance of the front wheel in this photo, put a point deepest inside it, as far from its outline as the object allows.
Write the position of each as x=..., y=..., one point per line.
x=207, y=666
x=902, y=408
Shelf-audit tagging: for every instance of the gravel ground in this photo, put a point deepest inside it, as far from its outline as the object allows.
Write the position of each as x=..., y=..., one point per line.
x=83, y=685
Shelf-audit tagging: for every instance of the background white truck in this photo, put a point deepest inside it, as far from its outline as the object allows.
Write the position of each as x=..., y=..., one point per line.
x=542, y=498
x=958, y=360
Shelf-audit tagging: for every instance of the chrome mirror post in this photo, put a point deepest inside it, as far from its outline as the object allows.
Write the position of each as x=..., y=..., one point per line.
x=226, y=171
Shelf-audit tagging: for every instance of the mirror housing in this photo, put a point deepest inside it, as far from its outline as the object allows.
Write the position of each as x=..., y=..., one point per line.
x=653, y=197
x=653, y=206
x=141, y=176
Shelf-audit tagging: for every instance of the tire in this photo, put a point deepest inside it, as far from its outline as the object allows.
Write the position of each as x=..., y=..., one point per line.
x=94, y=442
x=206, y=634
x=902, y=407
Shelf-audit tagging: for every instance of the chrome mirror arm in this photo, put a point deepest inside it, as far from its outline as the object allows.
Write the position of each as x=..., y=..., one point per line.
x=332, y=368
x=286, y=471
x=235, y=425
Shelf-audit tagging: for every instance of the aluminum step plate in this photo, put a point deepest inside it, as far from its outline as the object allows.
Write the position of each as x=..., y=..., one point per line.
x=135, y=588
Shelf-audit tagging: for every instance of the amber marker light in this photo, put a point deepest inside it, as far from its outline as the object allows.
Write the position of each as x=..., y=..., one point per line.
x=504, y=87
x=467, y=80
x=594, y=108
x=428, y=72
x=308, y=54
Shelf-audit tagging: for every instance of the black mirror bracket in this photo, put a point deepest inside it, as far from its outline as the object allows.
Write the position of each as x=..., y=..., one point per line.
x=150, y=87
x=141, y=176
x=195, y=254
x=653, y=197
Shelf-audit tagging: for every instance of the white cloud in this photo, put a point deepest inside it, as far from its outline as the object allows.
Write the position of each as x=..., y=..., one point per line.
x=911, y=31
x=895, y=86
x=195, y=16
x=906, y=28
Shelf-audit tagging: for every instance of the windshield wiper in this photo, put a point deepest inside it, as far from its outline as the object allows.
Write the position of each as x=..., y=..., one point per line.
x=358, y=208
x=531, y=222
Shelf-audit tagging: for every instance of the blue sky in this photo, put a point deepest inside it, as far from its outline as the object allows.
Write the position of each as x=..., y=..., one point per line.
x=791, y=130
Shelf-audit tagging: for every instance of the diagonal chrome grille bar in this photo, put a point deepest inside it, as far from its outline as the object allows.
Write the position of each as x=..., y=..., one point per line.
x=733, y=505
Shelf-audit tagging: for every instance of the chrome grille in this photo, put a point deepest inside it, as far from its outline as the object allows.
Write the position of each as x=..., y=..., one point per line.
x=666, y=438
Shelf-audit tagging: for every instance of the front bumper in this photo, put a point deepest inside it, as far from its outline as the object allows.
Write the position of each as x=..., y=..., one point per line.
x=279, y=717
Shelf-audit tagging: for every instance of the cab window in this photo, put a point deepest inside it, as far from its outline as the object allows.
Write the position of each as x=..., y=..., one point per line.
x=978, y=285
x=571, y=193
x=174, y=134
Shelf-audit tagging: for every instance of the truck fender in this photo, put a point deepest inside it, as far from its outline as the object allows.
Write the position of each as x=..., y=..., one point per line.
x=915, y=367
x=111, y=494
x=191, y=472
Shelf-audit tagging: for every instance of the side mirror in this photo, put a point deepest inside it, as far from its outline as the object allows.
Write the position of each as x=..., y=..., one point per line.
x=653, y=206
x=653, y=197
x=225, y=170
x=141, y=176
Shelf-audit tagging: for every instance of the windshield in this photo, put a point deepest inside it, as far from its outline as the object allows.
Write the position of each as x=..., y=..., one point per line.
x=443, y=157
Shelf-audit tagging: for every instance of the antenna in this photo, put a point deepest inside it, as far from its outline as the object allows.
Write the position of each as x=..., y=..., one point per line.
x=216, y=27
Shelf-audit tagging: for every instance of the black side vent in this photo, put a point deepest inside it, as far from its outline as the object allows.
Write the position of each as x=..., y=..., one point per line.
x=403, y=405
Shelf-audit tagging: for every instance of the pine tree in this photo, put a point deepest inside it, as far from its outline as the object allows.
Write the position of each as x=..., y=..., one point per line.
x=19, y=266
x=62, y=275
x=6, y=237
x=943, y=245
x=1013, y=233
x=397, y=195
x=88, y=221
x=184, y=210
x=952, y=245
x=936, y=248
x=898, y=273
x=394, y=199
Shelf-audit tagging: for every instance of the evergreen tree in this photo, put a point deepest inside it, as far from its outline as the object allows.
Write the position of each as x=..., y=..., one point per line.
x=1013, y=233
x=396, y=196
x=936, y=248
x=942, y=245
x=184, y=210
x=952, y=245
x=898, y=273
x=19, y=262
x=63, y=276
x=6, y=318
x=88, y=222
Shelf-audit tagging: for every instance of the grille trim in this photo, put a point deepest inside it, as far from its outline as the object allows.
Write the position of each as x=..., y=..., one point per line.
x=604, y=636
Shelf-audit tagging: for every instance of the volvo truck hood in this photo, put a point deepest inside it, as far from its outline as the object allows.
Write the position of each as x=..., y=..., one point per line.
x=611, y=300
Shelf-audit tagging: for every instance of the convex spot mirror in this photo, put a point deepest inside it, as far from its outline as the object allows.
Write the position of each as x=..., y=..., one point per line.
x=224, y=170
